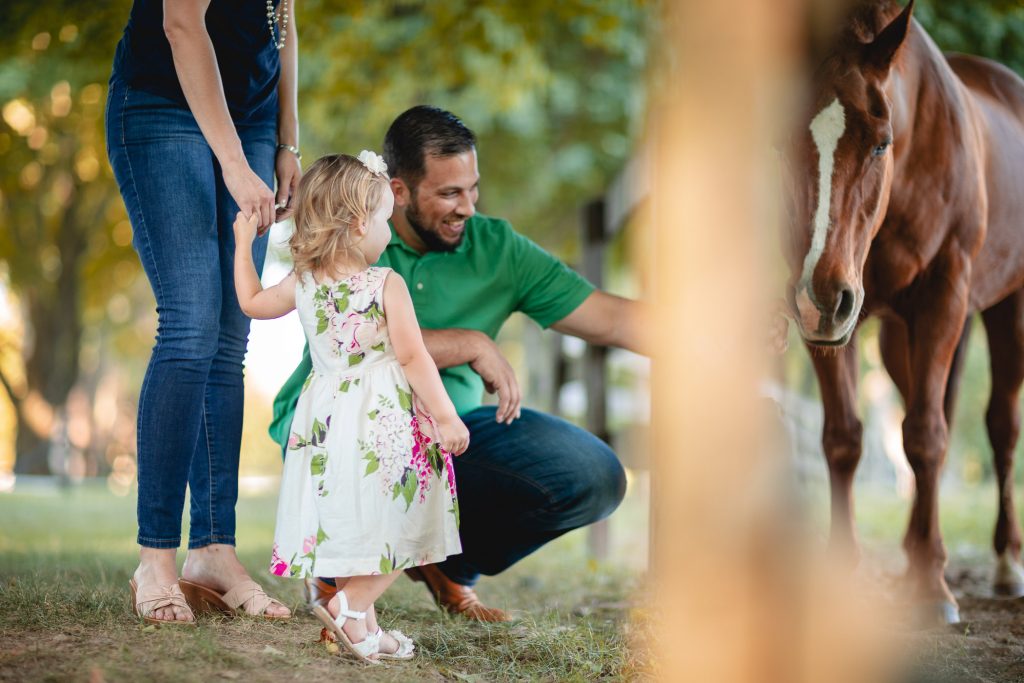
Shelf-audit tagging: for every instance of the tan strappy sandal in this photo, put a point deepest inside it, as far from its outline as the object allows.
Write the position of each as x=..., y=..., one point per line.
x=151, y=598
x=245, y=597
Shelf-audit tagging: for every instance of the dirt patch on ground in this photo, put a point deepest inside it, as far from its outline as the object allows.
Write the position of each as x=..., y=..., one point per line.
x=987, y=648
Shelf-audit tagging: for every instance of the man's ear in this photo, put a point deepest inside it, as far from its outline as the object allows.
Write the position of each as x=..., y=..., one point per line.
x=403, y=195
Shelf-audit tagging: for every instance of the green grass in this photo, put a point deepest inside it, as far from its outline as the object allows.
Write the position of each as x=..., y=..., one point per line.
x=66, y=557
x=967, y=516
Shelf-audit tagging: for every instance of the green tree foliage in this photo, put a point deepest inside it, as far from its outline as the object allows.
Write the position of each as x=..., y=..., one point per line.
x=993, y=29
x=554, y=91
x=64, y=250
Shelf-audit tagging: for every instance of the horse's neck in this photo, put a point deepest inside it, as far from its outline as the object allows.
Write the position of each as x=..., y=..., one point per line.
x=929, y=101
x=932, y=117
x=931, y=111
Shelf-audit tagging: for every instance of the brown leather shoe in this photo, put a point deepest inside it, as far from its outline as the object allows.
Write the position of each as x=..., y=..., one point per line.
x=318, y=593
x=455, y=597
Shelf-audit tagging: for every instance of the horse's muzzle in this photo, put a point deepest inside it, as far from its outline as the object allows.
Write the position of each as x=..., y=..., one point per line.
x=827, y=318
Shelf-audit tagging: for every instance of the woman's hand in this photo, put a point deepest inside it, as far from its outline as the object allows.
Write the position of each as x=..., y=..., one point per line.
x=251, y=194
x=289, y=172
x=453, y=435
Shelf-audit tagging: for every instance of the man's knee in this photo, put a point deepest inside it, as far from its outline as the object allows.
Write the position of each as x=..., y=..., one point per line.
x=597, y=483
x=607, y=484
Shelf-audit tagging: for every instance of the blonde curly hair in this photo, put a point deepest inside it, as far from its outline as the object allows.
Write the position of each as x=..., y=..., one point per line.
x=336, y=193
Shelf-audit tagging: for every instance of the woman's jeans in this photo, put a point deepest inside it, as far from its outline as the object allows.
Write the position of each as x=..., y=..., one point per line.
x=190, y=405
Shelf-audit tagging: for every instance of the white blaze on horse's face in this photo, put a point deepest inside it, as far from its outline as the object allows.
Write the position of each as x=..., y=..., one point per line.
x=827, y=128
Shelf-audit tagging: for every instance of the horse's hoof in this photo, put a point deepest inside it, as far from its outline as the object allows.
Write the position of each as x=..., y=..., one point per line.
x=1008, y=581
x=940, y=614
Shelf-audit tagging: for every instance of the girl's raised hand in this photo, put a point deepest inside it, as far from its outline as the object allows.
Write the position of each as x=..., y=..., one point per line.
x=453, y=435
x=245, y=229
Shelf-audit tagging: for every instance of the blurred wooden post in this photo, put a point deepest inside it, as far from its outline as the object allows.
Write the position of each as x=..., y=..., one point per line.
x=595, y=357
x=738, y=597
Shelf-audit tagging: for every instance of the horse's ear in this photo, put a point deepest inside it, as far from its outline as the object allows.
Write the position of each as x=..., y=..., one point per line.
x=881, y=51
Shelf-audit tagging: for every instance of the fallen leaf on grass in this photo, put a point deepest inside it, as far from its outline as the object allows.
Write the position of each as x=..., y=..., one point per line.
x=270, y=650
x=326, y=636
x=472, y=678
x=230, y=675
x=333, y=648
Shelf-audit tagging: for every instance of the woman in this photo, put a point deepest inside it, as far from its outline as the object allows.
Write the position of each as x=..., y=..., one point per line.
x=200, y=118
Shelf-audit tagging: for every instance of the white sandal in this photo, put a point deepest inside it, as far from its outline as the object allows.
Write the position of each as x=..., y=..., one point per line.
x=364, y=649
x=405, y=645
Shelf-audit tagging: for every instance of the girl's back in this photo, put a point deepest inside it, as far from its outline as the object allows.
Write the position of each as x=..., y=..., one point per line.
x=344, y=321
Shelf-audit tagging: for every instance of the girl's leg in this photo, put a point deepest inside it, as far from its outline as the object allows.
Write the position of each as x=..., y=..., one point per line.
x=388, y=645
x=361, y=592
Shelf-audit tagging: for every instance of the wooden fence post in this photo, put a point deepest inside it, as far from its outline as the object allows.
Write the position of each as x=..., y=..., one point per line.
x=595, y=237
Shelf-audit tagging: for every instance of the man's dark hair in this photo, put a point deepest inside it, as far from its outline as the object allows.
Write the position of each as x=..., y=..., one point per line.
x=420, y=131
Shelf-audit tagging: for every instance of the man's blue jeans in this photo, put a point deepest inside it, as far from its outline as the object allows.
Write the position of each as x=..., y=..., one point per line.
x=524, y=484
x=190, y=405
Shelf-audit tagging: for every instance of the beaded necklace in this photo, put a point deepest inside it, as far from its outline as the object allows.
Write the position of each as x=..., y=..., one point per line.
x=278, y=21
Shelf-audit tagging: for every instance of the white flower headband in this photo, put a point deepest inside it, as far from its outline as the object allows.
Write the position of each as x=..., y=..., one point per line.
x=373, y=161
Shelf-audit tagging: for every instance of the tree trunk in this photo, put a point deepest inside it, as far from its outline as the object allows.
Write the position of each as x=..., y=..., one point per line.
x=51, y=356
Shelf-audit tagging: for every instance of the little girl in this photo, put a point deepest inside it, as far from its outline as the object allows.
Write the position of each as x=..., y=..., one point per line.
x=368, y=487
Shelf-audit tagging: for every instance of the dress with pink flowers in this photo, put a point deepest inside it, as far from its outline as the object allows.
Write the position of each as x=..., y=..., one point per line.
x=366, y=488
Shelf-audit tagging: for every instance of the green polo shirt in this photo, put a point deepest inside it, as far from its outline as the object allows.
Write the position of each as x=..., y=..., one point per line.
x=493, y=273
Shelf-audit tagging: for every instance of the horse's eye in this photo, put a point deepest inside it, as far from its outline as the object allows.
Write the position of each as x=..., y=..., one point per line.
x=880, y=149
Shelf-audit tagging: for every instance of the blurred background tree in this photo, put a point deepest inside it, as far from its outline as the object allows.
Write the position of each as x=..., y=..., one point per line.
x=553, y=90
x=64, y=244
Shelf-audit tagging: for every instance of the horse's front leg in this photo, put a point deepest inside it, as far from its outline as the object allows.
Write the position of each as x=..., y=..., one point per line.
x=935, y=324
x=841, y=439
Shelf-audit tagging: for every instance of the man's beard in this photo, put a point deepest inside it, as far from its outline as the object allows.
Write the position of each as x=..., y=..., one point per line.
x=431, y=240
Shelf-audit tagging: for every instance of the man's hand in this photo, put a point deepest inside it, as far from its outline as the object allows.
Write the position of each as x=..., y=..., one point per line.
x=499, y=378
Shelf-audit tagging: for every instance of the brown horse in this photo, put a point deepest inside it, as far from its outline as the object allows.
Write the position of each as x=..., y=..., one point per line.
x=908, y=205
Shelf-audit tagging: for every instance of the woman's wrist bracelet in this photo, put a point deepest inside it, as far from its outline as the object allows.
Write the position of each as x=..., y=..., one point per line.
x=291, y=148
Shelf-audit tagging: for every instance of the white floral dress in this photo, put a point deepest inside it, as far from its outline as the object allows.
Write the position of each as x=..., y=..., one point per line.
x=366, y=488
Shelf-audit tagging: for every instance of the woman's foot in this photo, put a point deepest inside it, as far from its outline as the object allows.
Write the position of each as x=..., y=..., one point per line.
x=157, y=570
x=217, y=567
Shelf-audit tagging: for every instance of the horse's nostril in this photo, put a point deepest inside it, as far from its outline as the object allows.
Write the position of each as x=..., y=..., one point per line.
x=844, y=310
